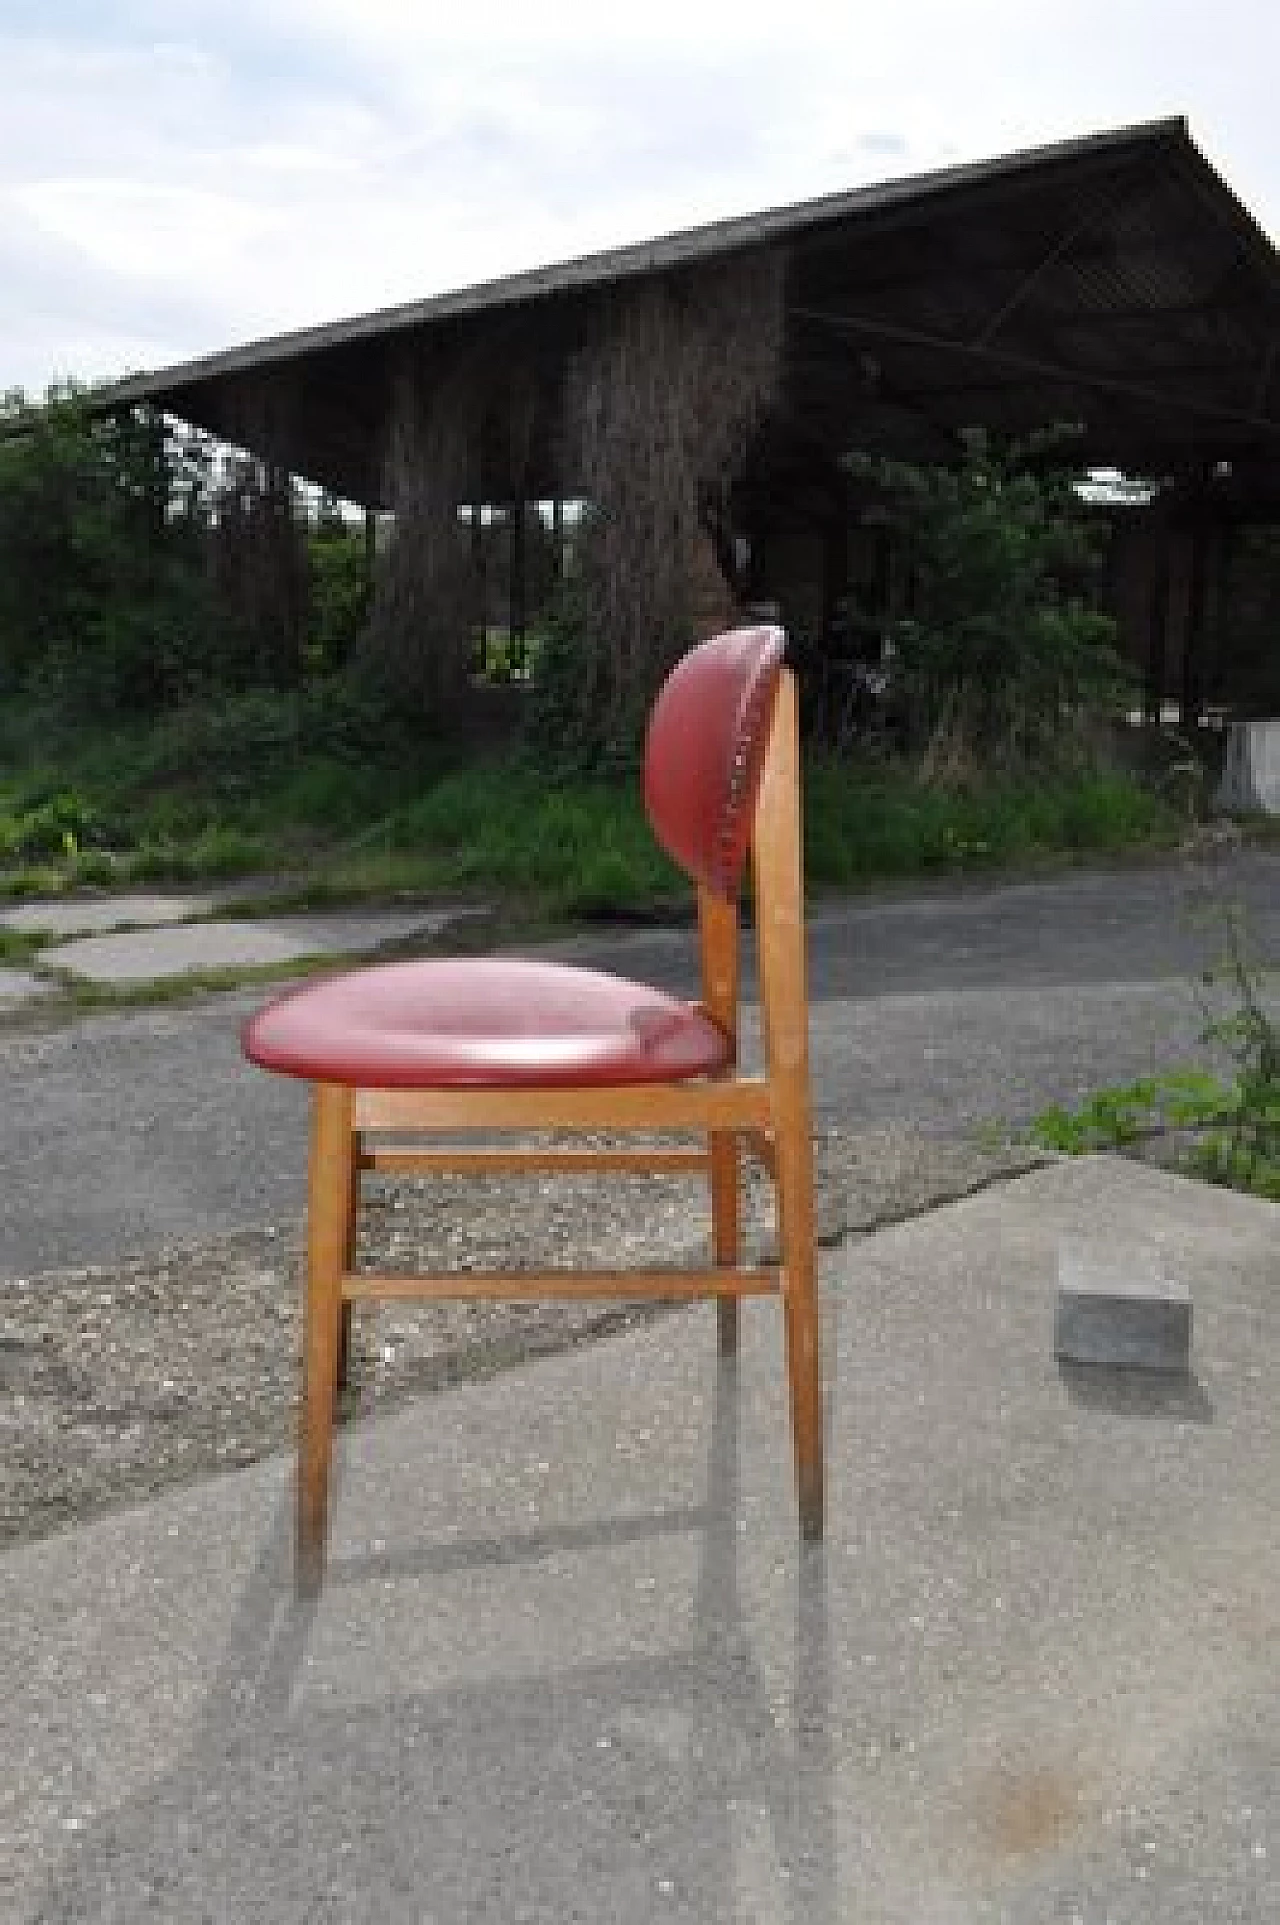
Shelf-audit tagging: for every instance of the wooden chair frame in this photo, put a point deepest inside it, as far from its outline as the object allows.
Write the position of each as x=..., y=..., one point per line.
x=356, y=1129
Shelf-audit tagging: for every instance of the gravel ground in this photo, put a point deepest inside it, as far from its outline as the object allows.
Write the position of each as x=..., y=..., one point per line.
x=118, y=1379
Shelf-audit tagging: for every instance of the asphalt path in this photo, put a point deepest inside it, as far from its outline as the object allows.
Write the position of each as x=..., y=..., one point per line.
x=947, y=1008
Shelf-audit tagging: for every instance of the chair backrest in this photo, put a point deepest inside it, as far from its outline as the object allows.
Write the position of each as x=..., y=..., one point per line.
x=708, y=733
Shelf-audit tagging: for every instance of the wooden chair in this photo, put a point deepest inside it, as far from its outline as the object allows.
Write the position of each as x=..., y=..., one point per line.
x=447, y=1046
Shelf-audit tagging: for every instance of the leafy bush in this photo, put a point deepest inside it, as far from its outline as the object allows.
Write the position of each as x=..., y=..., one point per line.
x=569, y=710
x=103, y=594
x=1000, y=652
x=58, y=825
x=341, y=593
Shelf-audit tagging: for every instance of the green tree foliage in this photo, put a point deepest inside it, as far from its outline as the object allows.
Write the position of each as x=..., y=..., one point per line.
x=258, y=566
x=137, y=572
x=103, y=594
x=340, y=590
x=568, y=715
x=1000, y=651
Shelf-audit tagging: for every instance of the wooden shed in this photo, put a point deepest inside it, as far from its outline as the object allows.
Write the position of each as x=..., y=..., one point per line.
x=1113, y=283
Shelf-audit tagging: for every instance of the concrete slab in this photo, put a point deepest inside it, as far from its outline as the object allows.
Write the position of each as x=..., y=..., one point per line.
x=571, y=1661
x=96, y=915
x=18, y=986
x=160, y=953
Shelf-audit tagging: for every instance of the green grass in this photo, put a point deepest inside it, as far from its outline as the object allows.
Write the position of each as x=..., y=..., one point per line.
x=580, y=847
x=18, y=948
x=881, y=822
x=311, y=788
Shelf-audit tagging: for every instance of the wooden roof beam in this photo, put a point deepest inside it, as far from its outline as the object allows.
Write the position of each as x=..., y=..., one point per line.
x=1033, y=365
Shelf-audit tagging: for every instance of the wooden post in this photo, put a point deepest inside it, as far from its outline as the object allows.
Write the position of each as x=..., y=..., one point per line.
x=557, y=539
x=835, y=565
x=482, y=594
x=1225, y=538
x=1191, y=692
x=1157, y=622
x=516, y=636
x=370, y=549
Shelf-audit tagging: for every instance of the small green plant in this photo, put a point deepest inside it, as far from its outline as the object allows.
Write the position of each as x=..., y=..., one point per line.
x=1126, y=1114
x=1245, y=1152
x=1231, y=1127
x=60, y=824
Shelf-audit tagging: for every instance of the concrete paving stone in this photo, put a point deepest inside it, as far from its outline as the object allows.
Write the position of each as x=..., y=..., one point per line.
x=160, y=953
x=1117, y=1305
x=98, y=915
x=18, y=986
x=571, y=1661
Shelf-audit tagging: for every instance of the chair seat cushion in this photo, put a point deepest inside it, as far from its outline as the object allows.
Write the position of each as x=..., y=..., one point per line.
x=477, y=1022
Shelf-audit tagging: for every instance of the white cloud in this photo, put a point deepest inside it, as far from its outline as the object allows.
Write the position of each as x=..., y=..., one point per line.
x=134, y=226
x=173, y=179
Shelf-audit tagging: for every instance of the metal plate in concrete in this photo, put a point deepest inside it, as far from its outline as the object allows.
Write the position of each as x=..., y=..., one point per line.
x=158, y=954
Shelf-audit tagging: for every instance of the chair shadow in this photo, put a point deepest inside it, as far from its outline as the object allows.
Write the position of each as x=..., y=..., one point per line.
x=1130, y=1392
x=625, y=1789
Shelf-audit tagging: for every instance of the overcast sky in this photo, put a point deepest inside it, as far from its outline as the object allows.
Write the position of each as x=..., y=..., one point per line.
x=178, y=177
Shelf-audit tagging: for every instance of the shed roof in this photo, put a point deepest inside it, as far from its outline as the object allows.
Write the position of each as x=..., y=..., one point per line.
x=1112, y=281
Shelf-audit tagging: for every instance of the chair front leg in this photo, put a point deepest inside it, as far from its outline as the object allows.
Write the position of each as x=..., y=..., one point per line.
x=329, y=1192
x=780, y=942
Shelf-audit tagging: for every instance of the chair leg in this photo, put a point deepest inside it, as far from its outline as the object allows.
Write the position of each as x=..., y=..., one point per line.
x=349, y=1263
x=800, y=1312
x=725, y=1228
x=778, y=852
x=328, y=1209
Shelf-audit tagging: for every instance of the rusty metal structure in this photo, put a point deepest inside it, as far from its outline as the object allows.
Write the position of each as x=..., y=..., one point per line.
x=1113, y=283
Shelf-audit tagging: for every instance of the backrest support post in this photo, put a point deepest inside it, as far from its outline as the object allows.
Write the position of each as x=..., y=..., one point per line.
x=778, y=872
x=718, y=946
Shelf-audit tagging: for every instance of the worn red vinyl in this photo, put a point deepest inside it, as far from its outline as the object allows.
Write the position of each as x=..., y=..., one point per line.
x=487, y=1021
x=708, y=732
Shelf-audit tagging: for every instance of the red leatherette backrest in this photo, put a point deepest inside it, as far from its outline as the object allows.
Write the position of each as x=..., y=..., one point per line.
x=708, y=733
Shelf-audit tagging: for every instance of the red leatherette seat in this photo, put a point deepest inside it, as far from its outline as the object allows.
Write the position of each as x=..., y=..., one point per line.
x=473, y=1022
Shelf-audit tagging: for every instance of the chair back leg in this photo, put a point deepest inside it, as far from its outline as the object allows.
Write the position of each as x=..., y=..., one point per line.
x=718, y=942
x=780, y=936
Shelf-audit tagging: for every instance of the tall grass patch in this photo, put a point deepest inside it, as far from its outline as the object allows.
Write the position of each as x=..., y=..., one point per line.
x=581, y=845
x=881, y=821
x=318, y=786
